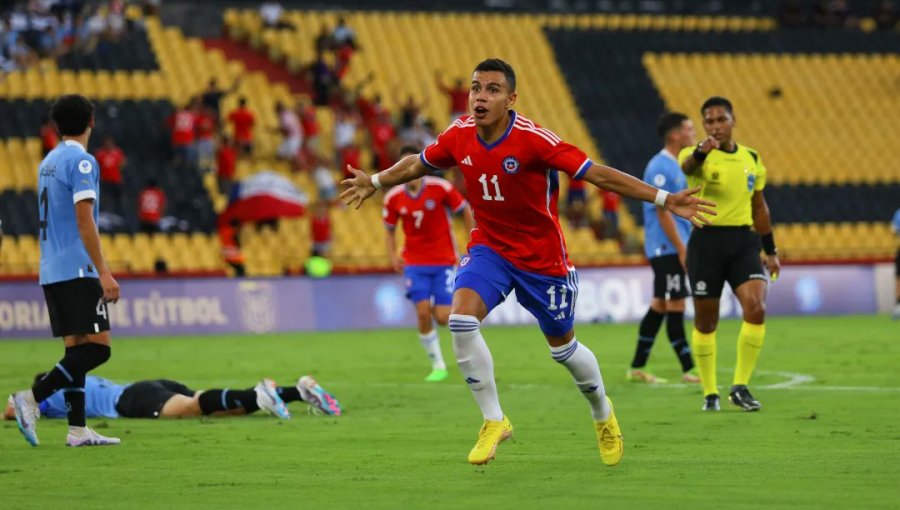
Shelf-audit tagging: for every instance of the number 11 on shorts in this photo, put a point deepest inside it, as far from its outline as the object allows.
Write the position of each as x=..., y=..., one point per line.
x=562, y=297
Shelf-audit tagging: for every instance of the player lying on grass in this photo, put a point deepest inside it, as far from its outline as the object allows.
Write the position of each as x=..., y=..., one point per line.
x=164, y=398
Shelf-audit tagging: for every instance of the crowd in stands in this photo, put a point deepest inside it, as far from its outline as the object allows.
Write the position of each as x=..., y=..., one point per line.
x=835, y=14
x=37, y=29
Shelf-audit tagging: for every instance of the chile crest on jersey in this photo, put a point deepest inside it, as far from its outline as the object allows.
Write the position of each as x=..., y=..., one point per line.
x=510, y=165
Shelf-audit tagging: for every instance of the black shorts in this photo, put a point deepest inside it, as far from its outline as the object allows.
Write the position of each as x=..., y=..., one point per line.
x=669, y=280
x=76, y=307
x=897, y=264
x=719, y=254
x=145, y=399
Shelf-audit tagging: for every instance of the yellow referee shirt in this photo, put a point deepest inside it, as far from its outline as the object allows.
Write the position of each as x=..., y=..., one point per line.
x=728, y=179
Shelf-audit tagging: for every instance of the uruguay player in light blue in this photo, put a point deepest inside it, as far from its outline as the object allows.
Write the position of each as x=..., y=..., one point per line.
x=76, y=281
x=665, y=241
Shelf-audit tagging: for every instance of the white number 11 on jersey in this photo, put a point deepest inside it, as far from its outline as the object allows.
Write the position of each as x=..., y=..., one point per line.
x=484, y=185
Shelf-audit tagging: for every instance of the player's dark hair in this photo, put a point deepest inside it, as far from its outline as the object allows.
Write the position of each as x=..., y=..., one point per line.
x=495, y=64
x=408, y=149
x=72, y=114
x=669, y=121
x=717, y=101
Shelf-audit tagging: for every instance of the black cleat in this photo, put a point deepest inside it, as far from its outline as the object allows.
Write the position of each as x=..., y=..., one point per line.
x=741, y=397
x=711, y=403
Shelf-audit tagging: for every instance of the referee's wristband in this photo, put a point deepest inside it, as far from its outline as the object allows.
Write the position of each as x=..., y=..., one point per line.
x=375, y=181
x=660, y=199
x=768, y=243
x=699, y=155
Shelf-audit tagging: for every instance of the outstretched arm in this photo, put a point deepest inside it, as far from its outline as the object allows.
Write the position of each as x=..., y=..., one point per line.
x=683, y=203
x=362, y=186
x=695, y=160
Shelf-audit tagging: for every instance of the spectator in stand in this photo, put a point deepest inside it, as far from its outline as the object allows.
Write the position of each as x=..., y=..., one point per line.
x=292, y=133
x=410, y=114
x=343, y=34
x=833, y=14
x=111, y=160
x=230, y=240
x=885, y=15
x=326, y=186
x=22, y=54
x=49, y=136
x=206, y=139
x=151, y=206
x=309, y=121
x=346, y=124
x=576, y=202
x=458, y=95
x=342, y=56
x=242, y=121
x=183, y=125
x=791, y=14
x=272, y=14
x=323, y=42
x=323, y=79
x=384, y=139
x=350, y=156
x=321, y=229
x=212, y=96
x=610, y=222
x=226, y=165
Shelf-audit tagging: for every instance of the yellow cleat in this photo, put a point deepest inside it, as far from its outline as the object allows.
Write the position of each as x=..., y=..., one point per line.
x=492, y=433
x=609, y=438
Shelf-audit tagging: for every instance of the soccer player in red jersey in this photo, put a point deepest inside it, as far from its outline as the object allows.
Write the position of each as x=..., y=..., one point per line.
x=429, y=254
x=510, y=167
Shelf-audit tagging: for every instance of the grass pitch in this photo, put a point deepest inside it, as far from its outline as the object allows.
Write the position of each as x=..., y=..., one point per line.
x=827, y=435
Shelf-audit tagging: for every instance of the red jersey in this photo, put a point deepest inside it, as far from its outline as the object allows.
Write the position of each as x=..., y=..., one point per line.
x=309, y=121
x=226, y=162
x=206, y=126
x=151, y=204
x=49, y=137
x=610, y=200
x=426, y=221
x=242, y=120
x=513, y=188
x=182, y=125
x=459, y=100
x=321, y=229
x=110, y=161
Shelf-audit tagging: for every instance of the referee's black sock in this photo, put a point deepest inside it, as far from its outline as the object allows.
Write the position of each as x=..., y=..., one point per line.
x=675, y=329
x=289, y=394
x=225, y=399
x=647, y=331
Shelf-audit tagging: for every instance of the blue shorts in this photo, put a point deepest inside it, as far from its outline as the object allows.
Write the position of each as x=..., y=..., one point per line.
x=427, y=282
x=550, y=299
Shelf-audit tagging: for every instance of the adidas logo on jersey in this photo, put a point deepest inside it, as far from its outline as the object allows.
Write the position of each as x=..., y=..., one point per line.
x=560, y=316
x=467, y=161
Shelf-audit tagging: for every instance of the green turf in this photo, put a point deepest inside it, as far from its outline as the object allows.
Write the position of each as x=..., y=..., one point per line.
x=403, y=443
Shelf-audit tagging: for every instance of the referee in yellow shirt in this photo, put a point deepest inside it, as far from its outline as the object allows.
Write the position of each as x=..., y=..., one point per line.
x=732, y=176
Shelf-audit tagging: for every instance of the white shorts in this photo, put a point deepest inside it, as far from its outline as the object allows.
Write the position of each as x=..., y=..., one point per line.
x=289, y=148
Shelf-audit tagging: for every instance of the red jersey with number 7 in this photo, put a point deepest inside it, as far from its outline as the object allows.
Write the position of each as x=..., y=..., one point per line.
x=513, y=188
x=426, y=221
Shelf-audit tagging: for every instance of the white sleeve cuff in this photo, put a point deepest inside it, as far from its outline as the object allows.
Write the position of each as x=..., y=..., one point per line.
x=87, y=194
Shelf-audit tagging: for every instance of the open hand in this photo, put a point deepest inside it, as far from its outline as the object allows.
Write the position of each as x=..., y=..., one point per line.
x=360, y=187
x=686, y=205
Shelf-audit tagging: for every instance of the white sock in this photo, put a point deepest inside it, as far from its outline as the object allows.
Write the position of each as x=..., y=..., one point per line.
x=582, y=364
x=475, y=362
x=432, y=345
x=78, y=431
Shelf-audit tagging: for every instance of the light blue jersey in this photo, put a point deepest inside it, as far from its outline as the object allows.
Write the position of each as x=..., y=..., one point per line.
x=68, y=175
x=895, y=223
x=663, y=172
x=100, y=398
